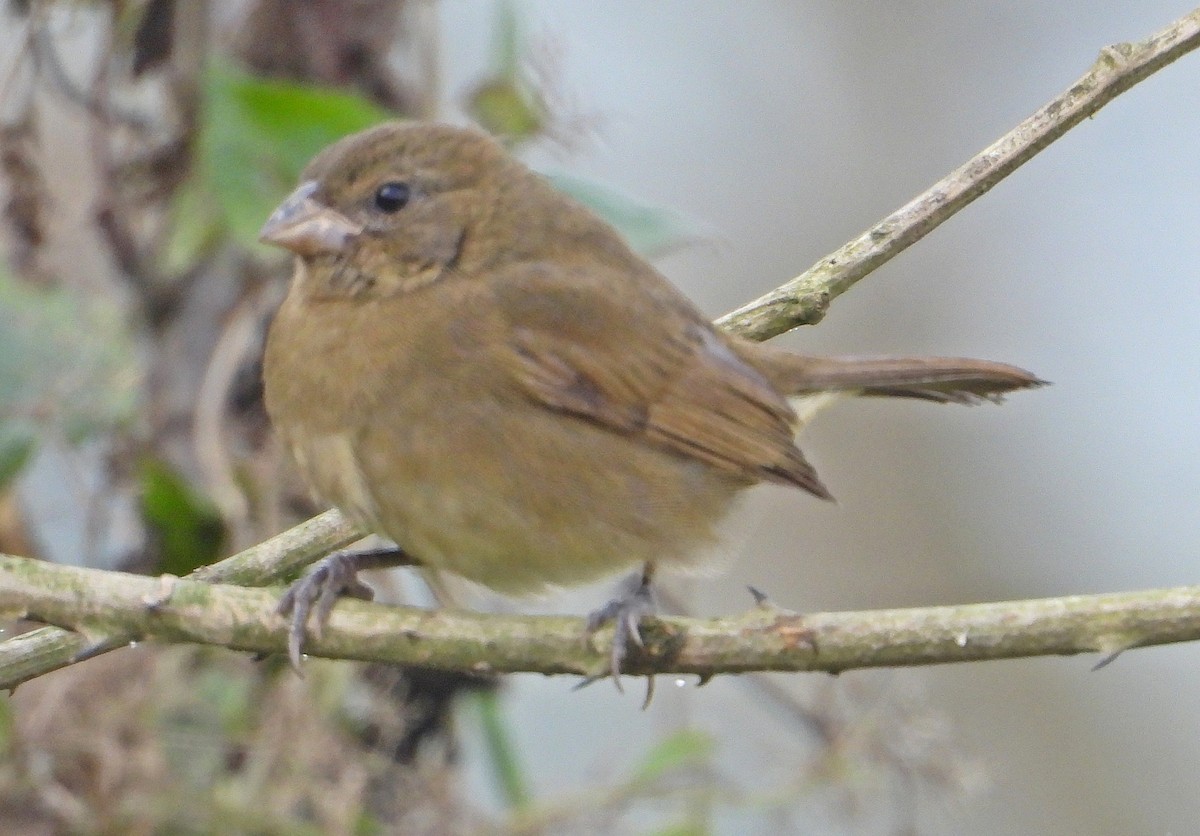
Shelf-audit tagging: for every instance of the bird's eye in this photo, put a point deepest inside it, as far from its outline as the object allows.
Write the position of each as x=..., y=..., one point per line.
x=392, y=197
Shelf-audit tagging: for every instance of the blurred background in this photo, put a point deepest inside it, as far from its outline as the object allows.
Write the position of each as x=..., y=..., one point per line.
x=143, y=143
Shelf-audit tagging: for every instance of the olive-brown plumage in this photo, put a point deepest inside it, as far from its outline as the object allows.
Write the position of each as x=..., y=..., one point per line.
x=481, y=370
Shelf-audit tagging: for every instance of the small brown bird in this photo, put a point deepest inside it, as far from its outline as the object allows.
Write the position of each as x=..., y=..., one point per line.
x=479, y=369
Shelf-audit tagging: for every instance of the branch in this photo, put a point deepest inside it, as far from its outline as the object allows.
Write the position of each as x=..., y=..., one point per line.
x=763, y=639
x=50, y=648
x=805, y=299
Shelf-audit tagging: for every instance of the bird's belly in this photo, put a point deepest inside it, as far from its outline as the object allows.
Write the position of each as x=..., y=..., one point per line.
x=551, y=501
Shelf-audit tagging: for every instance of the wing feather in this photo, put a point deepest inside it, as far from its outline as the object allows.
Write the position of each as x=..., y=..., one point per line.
x=660, y=374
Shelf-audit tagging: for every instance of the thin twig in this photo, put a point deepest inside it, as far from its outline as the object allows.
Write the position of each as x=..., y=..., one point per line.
x=805, y=299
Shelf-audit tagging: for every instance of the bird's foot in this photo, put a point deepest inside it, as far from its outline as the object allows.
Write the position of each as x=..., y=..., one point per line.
x=311, y=598
x=626, y=611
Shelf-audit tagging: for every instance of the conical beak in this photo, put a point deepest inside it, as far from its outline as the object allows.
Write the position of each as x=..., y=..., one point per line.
x=307, y=227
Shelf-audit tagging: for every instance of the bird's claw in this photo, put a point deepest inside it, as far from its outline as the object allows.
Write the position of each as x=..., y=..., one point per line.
x=626, y=612
x=313, y=596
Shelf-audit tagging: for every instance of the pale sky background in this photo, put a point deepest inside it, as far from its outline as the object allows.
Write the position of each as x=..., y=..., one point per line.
x=784, y=129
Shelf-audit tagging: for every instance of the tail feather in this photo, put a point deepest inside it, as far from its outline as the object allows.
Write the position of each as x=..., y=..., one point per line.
x=939, y=379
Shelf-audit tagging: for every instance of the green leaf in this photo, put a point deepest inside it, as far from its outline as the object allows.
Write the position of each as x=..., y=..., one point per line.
x=505, y=764
x=650, y=230
x=8, y=726
x=685, y=829
x=685, y=748
x=194, y=228
x=506, y=110
x=186, y=525
x=506, y=104
x=17, y=443
x=256, y=136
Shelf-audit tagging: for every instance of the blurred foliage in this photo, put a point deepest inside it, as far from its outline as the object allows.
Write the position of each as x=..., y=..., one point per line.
x=507, y=103
x=255, y=136
x=17, y=444
x=7, y=726
x=196, y=740
x=505, y=765
x=685, y=748
x=67, y=367
x=650, y=230
x=185, y=525
x=673, y=781
x=192, y=740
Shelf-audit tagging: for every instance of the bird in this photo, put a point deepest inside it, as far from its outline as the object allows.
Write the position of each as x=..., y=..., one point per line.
x=479, y=369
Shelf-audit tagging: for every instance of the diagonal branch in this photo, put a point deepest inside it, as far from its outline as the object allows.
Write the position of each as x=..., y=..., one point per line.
x=763, y=639
x=805, y=299
x=759, y=641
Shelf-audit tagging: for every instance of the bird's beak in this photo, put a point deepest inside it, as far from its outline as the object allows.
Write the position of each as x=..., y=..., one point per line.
x=307, y=227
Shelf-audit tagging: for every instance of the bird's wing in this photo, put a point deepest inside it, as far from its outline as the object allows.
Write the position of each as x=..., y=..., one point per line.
x=642, y=362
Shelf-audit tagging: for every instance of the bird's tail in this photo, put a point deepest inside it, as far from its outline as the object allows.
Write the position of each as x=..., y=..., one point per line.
x=940, y=379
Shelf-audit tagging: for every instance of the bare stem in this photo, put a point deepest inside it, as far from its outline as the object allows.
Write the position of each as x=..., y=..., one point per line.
x=805, y=299
x=763, y=639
